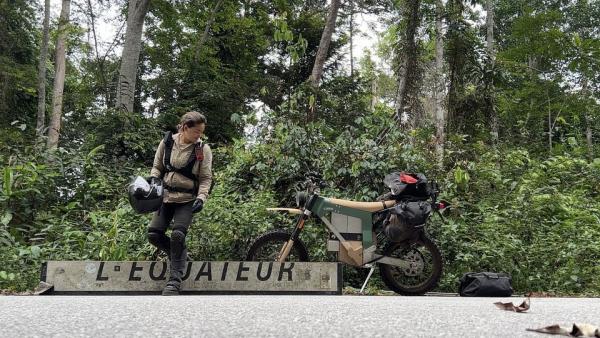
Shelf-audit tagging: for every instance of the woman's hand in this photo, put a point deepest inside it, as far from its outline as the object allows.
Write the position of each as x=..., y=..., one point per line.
x=197, y=206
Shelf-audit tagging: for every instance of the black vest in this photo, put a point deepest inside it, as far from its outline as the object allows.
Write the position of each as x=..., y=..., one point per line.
x=187, y=169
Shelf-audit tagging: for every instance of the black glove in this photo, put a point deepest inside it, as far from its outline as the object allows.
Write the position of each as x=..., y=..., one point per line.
x=153, y=180
x=197, y=206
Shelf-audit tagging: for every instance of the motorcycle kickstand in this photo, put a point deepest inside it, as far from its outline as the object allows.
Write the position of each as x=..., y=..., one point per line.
x=368, y=277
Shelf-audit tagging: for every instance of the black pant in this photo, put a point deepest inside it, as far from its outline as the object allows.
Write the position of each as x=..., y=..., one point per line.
x=181, y=215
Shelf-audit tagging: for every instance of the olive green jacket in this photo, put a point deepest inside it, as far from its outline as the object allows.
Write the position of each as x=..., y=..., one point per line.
x=179, y=157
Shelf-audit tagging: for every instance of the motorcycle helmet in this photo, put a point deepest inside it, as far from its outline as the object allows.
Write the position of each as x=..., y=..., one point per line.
x=145, y=196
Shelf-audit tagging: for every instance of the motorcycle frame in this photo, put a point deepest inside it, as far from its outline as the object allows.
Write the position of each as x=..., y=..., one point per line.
x=320, y=207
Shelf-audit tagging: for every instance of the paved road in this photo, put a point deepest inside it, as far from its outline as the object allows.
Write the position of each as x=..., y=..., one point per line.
x=283, y=316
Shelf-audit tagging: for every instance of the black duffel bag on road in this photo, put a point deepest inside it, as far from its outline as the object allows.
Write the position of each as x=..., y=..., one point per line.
x=485, y=284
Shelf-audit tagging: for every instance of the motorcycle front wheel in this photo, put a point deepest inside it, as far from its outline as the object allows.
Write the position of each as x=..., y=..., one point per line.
x=267, y=247
x=421, y=276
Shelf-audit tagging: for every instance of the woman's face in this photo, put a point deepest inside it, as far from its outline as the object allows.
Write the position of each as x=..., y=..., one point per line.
x=191, y=134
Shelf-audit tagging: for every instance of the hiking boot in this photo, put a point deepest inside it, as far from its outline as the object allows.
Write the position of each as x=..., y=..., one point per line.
x=172, y=289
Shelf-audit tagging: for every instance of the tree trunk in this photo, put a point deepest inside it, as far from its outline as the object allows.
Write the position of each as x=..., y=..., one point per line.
x=401, y=92
x=317, y=71
x=41, y=108
x=489, y=23
x=456, y=66
x=550, y=127
x=493, y=114
x=440, y=113
x=588, y=121
x=374, y=93
x=407, y=71
x=204, y=36
x=589, y=136
x=59, y=77
x=99, y=60
x=351, y=38
x=131, y=54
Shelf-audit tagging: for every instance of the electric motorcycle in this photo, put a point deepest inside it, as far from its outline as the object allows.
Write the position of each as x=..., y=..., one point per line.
x=389, y=233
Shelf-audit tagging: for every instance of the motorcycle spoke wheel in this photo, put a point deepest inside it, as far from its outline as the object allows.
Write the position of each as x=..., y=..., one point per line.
x=423, y=272
x=268, y=246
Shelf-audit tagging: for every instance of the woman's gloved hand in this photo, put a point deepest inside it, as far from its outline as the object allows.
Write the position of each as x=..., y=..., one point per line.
x=197, y=206
x=154, y=180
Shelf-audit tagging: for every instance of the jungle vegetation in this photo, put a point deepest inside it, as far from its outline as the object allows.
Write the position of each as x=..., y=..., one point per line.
x=497, y=100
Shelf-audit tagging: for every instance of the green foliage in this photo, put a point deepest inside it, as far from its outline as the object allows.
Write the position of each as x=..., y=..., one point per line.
x=529, y=206
x=17, y=60
x=221, y=81
x=65, y=205
x=284, y=34
x=228, y=223
x=134, y=140
x=535, y=219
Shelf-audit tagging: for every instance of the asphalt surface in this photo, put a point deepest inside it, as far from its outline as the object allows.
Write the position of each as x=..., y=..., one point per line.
x=284, y=316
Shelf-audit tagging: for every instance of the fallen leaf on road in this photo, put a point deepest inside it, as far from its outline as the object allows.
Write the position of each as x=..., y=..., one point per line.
x=511, y=307
x=578, y=330
x=553, y=329
x=585, y=330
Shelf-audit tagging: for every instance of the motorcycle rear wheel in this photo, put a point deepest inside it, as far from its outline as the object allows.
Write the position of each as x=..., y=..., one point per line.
x=266, y=248
x=425, y=268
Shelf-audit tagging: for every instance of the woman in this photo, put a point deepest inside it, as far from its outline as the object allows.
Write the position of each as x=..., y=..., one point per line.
x=184, y=164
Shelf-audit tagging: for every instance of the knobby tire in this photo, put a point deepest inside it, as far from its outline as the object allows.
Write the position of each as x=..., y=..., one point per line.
x=393, y=276
x=272, y=242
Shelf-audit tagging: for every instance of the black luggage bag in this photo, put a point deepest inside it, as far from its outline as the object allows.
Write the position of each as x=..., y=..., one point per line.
x=485, y=284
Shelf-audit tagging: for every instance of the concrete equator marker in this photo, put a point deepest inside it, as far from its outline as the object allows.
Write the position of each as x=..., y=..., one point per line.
x=200, y=277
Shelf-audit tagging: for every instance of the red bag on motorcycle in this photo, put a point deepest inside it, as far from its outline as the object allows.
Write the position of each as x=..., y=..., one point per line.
x=408, y=185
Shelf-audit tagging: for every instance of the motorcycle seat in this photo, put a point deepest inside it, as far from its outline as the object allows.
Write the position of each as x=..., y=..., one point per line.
x=364, y=206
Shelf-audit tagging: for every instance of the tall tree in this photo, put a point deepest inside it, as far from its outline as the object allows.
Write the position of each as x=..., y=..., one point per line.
x=491, y=56
x=18, y=63
x=369, y=73
x=100, y=61
x=440, y=83
x=585, y=42
x=408, y=53
x=317, y=71
x=136, y=13
x=232, y=69
x=204, y=37
x=463, y=63
x=588, y=118
x=41, y=107
x=351, y=37
x=59, y=77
